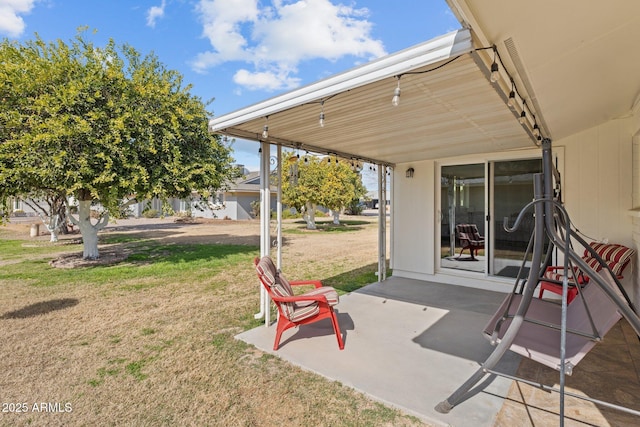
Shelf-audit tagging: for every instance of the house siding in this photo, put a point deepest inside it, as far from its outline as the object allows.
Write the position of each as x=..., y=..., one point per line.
x=600, y=190
x=597, y=186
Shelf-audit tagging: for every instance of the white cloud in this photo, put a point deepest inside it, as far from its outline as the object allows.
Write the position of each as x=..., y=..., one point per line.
x=276, y=38
x=11, y=23
x=154, y=13
x=268, y=80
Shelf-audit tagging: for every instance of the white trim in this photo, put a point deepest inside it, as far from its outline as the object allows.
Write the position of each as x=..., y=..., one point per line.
x=435, y=50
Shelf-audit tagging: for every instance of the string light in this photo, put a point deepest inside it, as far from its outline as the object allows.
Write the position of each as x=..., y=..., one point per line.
x=523, y=115
x=511, y=102
x=265, y=129
x=536, y=129
x=321, y=121
x=495, y=74
x=395, y=101
x=494, y=77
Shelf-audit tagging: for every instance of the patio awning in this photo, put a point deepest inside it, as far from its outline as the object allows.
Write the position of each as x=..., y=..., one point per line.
x=448, y=107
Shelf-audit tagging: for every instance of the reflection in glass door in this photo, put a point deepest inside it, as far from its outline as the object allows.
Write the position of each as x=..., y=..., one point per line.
x=462, y=204
x=512, y=190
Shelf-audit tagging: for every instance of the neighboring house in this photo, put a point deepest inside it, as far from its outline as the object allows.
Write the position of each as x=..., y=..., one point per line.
x=235, y=202
x=232, y=203
x=574, y=72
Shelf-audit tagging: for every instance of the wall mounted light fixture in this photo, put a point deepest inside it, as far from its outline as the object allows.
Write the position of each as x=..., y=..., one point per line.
x=410, y=173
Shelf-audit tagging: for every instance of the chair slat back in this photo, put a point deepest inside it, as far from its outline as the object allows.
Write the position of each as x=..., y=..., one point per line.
x=275, y=283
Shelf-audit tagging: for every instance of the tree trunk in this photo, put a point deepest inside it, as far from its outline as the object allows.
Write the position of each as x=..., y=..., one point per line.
x=53, y=226
x=88, y=230
x=310, y=216
x=336, y=217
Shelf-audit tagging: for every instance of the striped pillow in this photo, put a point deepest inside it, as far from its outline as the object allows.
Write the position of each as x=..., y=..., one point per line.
x=616, y=256
x=301, y=312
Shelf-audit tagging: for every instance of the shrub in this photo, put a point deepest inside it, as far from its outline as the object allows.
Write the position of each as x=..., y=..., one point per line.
x=290, y=213
x=150, y=213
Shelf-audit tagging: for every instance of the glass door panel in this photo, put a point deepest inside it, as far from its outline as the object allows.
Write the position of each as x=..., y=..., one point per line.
x=462, y=203
x=512, y=190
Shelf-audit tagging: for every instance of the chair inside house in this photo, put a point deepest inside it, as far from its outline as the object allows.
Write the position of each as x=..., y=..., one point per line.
x=470, y=239
x=617, y=258
x=295, y=310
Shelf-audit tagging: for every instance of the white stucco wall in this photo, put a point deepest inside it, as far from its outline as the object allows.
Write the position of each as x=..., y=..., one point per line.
x=413, y=216
x=597, y=186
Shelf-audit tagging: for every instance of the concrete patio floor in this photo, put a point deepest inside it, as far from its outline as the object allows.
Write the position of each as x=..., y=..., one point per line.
x=410, y=344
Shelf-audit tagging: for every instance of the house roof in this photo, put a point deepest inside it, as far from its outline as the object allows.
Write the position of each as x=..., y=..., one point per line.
x=574, y=66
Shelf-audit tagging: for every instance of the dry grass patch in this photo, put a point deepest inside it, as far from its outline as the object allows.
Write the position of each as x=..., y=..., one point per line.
x=151, y=341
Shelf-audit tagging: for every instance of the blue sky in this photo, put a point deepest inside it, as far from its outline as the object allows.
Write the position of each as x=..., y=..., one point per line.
x=240, y=51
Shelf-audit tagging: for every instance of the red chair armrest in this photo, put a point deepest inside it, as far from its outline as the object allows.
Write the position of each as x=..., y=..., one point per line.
x=315, y=283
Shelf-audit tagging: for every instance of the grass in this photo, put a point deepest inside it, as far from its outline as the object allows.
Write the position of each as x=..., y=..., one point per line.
x=328, y=226
x=152, y=264
x=150, y=341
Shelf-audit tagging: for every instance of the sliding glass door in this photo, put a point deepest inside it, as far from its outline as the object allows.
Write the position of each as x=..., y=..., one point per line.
x=475, y=199
x=512, y=189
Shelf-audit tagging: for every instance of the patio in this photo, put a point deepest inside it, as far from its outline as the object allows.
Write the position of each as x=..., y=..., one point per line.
x=410, y=344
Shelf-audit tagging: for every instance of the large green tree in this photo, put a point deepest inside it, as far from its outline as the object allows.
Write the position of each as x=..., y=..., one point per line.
x=312, y=181
x=103, y=125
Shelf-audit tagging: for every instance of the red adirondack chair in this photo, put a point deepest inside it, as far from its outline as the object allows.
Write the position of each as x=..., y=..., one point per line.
x=296, y=310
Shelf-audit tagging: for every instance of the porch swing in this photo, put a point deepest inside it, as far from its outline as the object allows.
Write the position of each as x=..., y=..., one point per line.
x=556, y=335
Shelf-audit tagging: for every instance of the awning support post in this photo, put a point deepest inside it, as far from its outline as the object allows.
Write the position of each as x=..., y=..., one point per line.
x=265, y=235
x=382, y=223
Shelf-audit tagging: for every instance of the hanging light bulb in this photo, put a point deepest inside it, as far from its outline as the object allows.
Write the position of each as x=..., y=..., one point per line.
x=265, y=129
x=321, y=121
x=523, y=117
x=511, y=102
x=536, y=130
x=395, y=101
x=495, y=75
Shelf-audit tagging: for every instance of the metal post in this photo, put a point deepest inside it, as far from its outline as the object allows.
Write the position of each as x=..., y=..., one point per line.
x=265, y=235
x=279, y=209
x=382, y=223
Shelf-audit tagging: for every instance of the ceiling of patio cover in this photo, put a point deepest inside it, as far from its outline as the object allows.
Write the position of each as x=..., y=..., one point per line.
x=446, y=109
